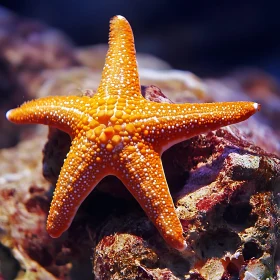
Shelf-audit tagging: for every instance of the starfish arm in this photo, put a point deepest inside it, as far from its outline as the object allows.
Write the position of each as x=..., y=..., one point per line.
x=144, y=178
x=120, y=73
x=57, y=111
x=173, y=123
x=79, y=175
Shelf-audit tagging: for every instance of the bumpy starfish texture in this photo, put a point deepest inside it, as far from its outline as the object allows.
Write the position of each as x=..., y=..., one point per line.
x=118, y=132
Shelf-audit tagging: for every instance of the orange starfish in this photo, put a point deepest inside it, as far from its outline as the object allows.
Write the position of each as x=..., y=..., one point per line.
x=121, y=133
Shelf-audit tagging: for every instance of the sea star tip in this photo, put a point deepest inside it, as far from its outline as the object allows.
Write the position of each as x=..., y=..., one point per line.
x=120, y=17
x=257, y=106
x=8, y=114
x=184, y=247
x=53, y=233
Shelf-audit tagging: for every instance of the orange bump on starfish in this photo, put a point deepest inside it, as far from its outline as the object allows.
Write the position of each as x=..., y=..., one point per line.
x=118, y=132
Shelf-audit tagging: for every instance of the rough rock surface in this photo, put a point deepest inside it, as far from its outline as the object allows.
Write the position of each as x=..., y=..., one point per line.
x=24, y=199
x=225, y=183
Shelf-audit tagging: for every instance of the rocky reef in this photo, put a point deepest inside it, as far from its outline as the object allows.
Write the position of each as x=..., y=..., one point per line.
x=225, y=183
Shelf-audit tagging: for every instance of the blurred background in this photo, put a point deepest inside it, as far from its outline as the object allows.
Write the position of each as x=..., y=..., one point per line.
x=206, y=37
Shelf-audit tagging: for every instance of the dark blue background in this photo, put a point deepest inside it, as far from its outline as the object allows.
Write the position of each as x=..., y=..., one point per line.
x=206, y=37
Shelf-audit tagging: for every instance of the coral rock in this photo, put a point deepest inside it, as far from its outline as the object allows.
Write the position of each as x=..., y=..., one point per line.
x=123, y=256
x=24, y=203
